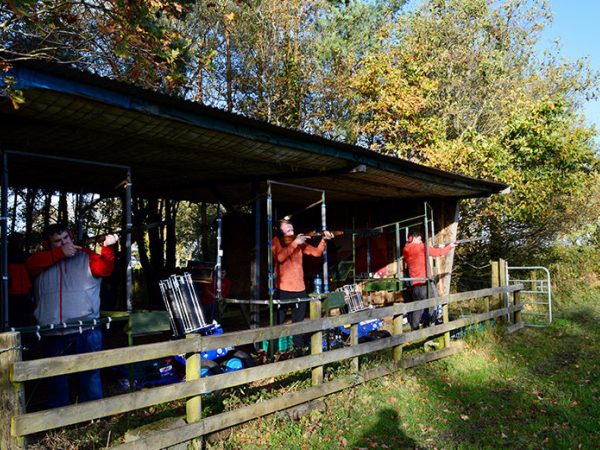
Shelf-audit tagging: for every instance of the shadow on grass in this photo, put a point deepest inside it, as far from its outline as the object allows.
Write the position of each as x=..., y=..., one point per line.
x=386, y=430
x=541, y=392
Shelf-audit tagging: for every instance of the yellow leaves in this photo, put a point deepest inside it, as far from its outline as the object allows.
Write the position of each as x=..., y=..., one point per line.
x=229, y=18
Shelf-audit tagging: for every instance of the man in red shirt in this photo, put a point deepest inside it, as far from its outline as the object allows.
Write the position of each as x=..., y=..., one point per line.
x=67, y=289
x=290, y=273
x=415, y=258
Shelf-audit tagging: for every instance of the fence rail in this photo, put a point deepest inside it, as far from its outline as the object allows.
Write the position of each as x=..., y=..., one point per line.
x=28, y=423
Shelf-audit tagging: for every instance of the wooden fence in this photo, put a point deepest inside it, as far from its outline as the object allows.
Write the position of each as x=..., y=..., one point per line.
x=16, y=423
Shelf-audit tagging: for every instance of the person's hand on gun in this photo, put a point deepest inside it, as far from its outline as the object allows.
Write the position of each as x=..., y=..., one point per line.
x=301, y=239
x=110, y=239
x=69, y=249
x=327, y=235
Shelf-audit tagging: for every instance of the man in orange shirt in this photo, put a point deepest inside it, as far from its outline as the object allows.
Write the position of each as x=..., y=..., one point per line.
x=415, y=258
x=290, y=273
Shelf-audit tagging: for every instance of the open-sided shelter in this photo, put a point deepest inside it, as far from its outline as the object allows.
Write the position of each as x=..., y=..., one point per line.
x=155, y=145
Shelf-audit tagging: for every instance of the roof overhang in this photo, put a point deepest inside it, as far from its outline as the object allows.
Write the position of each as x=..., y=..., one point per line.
x=183, y=150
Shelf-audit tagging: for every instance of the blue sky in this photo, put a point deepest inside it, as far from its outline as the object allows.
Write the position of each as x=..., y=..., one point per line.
x=576, y=24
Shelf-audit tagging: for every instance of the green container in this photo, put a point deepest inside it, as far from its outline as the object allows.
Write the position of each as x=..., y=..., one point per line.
x=284, y=344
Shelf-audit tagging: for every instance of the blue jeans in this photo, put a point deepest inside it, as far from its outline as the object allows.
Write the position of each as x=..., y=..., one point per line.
x=90, y=384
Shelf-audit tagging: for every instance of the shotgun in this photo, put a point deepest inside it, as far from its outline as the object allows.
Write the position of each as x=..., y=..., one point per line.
x=461, y=241
x=99, y=238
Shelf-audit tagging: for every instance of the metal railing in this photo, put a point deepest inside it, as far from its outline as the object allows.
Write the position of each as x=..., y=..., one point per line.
x=535, y=287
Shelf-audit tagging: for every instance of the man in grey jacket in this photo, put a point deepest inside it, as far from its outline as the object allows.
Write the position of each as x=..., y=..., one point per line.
x=67, y=289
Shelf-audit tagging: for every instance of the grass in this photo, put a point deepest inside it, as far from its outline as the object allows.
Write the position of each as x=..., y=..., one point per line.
x=537, y=388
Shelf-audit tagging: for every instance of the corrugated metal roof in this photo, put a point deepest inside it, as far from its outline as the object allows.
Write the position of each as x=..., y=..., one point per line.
x=185, y=150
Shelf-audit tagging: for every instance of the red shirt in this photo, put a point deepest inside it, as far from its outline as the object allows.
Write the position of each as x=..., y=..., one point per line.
x=415, y=259
x=288, y=263
x=100, y=265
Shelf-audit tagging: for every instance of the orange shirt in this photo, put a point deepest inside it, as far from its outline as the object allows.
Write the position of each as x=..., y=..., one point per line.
x=288, y=263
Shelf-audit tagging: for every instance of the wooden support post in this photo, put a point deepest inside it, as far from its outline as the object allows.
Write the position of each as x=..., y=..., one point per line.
x=448, y=212
x=517, y=299
x=503, y=282
x=495, y=283
x=12, y=395
x=193, y=405
x=354, y=341
x=316, y=342
x=446, y=319
x=397, y=323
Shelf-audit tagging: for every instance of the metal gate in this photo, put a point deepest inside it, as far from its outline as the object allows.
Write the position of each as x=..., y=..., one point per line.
x=537, y=295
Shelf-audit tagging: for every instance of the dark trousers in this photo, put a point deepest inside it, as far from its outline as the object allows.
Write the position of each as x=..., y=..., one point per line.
x=298, y=312
x=419, y=292
x=90, y=384
x=209, y=312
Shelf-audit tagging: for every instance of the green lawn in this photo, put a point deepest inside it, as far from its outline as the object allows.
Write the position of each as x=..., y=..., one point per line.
x=538, y=388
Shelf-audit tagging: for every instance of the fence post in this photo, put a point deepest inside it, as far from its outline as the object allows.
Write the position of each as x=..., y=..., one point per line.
x=495, y=283
x=12, y=395
x=517, y=300
x=354, y=341
x=446, y=319
x=397, y=324
x=503, y=283
x=193, y=405
x=316, y=342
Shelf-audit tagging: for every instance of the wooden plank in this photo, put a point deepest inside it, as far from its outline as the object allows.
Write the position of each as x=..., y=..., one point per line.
x=251, y=336
x=12, y=395
x=432, y=356
x=47, y=367
x=218, y=422
x=68, y=415
x=515, y=327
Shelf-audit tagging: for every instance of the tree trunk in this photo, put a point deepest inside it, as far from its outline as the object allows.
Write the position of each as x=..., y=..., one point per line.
x=47, y=207
x=170, y=217
x=29, y=203
x=63, y=212
x=204, y=230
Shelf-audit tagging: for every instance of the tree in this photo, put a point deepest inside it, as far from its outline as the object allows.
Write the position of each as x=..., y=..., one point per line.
x=135, y=40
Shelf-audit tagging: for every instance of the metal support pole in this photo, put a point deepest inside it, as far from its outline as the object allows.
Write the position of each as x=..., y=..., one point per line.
x=353, y=257
x=427, y=264
x=255, y=281
x=368, y=257
x=4, y=219
x=271, y=274
x=432, y=234
x=325, y=259
x=219, y=252
x=127, y=250
x=398, y=252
